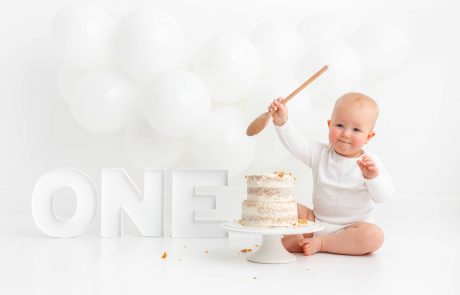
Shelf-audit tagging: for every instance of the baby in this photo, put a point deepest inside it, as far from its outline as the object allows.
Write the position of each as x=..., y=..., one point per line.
x=346, y=180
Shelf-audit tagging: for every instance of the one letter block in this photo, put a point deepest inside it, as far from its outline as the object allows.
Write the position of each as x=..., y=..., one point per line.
x=42, y=203
x=119, y=194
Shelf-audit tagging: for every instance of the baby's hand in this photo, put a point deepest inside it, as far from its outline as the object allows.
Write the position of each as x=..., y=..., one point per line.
x=368, y=167
x=280, y=112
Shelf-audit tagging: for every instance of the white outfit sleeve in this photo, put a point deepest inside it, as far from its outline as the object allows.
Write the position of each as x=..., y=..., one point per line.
x=381, y=187
x=302, y=148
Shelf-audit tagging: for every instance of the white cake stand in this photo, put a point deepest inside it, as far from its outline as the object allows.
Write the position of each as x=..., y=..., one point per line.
x=272, y=250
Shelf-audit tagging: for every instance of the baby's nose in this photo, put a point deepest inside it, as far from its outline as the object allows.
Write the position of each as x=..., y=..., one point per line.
x=346, y=132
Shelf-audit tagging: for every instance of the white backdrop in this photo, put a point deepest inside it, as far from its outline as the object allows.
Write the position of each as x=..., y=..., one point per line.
x=416, y=137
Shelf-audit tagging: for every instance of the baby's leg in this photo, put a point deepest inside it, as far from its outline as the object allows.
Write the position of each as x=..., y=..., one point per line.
x=356, y=239
x=291, y=243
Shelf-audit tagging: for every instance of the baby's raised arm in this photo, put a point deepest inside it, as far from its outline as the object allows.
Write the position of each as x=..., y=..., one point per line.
x=280, y=112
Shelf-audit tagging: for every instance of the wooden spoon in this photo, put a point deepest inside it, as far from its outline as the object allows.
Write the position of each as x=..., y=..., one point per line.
x=260, y=122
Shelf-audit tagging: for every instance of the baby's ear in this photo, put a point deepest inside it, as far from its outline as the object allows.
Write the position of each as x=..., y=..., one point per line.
x=370, y=135
x=329, y=123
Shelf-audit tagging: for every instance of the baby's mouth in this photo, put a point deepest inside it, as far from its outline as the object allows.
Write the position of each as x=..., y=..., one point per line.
x=343, y=141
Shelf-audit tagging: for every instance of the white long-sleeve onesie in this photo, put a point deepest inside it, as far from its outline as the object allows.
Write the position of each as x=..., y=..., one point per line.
x=341, y=195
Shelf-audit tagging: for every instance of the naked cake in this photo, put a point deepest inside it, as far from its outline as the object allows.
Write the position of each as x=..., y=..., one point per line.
x=270, y=200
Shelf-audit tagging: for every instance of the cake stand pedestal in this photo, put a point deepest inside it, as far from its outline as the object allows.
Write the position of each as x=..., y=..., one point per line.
x=272, y=250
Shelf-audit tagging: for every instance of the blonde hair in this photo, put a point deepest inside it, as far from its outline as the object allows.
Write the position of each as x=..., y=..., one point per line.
x=360, y=99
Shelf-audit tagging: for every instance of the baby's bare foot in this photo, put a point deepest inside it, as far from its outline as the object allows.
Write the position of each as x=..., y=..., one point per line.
x=310, y=245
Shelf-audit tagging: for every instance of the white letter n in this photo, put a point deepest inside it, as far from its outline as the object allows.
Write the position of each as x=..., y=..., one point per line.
x=119, y=194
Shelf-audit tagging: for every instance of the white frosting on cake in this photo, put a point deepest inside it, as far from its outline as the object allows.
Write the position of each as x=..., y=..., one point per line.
x=270, y=200
x=269, y=214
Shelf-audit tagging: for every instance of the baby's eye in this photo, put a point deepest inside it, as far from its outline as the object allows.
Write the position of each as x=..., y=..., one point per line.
x=339, y=125
x=356, y=130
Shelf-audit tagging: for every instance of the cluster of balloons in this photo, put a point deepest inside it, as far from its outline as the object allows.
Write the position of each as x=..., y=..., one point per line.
x=131, y=74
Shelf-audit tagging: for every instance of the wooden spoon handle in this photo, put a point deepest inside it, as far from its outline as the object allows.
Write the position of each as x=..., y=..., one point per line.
x=305, y=84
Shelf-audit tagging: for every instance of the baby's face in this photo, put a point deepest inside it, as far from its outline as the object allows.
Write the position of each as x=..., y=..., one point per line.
x=350, y=128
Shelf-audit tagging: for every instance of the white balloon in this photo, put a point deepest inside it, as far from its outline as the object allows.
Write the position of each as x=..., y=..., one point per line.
x=149, y=43
x=270, y=152
x=68, y=76
x=413, y=87
x=229, y=63
x=343, y=75
x=269, y=87
x=147, y=149
x=300, y=112
x=315, y=29
x=329, y=26
x=383, y=49
x=84, y=35
x=103, y=100
x=177, y=103
x=280, y=44
x=222, y=142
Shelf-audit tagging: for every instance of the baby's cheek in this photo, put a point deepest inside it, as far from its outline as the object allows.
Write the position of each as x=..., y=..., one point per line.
x=359, y=142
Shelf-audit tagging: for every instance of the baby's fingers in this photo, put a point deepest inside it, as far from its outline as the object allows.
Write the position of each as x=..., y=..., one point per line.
x=368, y=163
x=367, y=158
x=371, y=167
x=272, y=107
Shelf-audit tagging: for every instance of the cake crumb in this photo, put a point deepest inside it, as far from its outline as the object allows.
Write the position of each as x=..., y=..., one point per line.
x=254, y=278
x=164, y=255
x=302, y=221
x=246, y=250
x=206, y=251
x=280, y=173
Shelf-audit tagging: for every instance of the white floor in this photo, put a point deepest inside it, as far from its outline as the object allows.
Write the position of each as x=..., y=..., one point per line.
x=420, y=256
